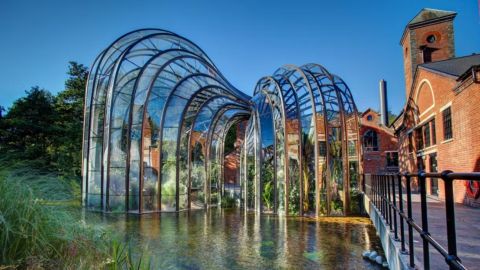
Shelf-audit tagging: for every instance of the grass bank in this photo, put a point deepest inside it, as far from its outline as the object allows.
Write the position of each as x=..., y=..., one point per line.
x=40, y=226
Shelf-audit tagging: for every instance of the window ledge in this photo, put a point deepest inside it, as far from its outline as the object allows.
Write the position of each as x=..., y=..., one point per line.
x=426, y=149
x=447, y=141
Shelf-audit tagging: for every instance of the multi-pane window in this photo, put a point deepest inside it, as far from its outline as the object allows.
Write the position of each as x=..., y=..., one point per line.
x=426, y=134
x=322, y=148
x=419, y=138
x=370, y=141
x=352, y=148
x=392, y=159
x=434, y=132
x=447, y=124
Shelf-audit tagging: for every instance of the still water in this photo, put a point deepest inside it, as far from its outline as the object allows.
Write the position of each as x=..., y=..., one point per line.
x=232, y=239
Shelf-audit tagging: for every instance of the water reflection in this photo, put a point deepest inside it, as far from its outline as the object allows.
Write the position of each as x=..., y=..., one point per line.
x=232, y=239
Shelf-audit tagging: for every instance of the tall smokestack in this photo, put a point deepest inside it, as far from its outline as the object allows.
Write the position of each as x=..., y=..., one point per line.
x=383, y=103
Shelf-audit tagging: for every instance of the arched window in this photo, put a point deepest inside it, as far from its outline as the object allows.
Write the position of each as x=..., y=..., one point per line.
x=370, y=141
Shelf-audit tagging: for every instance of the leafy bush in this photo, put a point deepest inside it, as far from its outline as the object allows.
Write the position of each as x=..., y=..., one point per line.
x=268, y=195
x=228, y=202
x=294, y=201
x=355, y=201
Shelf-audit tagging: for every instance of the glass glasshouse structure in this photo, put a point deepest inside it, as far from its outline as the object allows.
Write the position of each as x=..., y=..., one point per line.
x=157, y=111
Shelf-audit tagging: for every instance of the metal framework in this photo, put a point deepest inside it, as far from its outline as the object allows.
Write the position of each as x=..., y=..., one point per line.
x=300, y=155
x=156, y=114
x=382, y=191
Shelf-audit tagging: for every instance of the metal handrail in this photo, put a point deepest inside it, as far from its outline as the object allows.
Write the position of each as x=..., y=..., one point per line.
x=383, y=195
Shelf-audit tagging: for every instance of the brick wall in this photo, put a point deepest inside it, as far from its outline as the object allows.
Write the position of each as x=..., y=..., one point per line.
x=462, y=152
x=444, y=47
x=376, y=161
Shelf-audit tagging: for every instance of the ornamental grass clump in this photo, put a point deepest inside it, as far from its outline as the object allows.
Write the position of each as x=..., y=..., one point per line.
x=40, y=227
x=34, y=234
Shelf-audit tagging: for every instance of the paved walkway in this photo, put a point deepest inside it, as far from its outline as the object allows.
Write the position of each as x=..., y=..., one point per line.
x=468, y=233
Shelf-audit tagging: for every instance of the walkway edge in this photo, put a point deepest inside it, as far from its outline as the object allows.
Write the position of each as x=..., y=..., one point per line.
x=395, y=258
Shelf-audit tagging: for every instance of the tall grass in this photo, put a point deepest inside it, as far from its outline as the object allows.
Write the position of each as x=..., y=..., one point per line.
x=38, y=228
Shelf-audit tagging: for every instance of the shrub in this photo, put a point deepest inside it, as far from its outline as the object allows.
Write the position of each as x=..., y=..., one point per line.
x=228, y=202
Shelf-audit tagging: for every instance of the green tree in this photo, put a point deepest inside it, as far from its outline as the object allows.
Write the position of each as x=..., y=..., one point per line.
x=46, y=128
x=28, y=127
x=2, y=109
x=66, y=149
x=391, y=117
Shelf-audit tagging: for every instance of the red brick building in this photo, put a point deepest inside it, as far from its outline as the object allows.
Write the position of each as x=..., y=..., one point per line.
x=232, y=159
x=379, y=145
x=439, y=126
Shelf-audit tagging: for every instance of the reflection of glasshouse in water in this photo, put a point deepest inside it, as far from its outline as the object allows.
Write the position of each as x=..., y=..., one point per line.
x=157, y=112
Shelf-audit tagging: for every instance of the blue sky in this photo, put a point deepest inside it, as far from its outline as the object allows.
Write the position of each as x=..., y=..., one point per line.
x=358, y=40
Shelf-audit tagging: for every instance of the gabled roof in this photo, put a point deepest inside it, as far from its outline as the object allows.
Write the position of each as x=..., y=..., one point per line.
x=367, y=111
x=454, y=66
x=398, y=121
x=428, y=16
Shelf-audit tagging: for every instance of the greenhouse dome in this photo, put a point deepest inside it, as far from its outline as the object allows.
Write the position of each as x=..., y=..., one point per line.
x=157, y=112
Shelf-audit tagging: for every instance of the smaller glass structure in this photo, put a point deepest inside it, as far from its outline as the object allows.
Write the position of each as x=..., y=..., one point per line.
x=157, y=111
x=300, y=154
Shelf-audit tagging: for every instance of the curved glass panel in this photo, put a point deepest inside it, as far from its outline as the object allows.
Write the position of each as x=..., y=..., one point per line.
x=157, y=111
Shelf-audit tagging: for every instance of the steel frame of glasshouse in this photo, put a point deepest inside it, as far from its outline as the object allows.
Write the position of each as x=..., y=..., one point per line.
x=157, y=111
x=314, y=141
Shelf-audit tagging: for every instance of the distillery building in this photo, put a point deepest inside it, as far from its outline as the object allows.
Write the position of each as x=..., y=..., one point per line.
x=438, y=128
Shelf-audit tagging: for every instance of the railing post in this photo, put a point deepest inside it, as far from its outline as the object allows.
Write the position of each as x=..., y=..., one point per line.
x=380, y=202
x=389, y=201
x=363, y=183
x=450, y=216
x=423, y=201
x=395, y=228
x=372, y=189
x=377, y=185
x=400, y=203
x=377, y=193
x=373, y=184
x=384, y=199
x=409, y=215
x=380, y=194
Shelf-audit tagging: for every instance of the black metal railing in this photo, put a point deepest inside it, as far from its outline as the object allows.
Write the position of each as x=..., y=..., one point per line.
x=383, y=190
